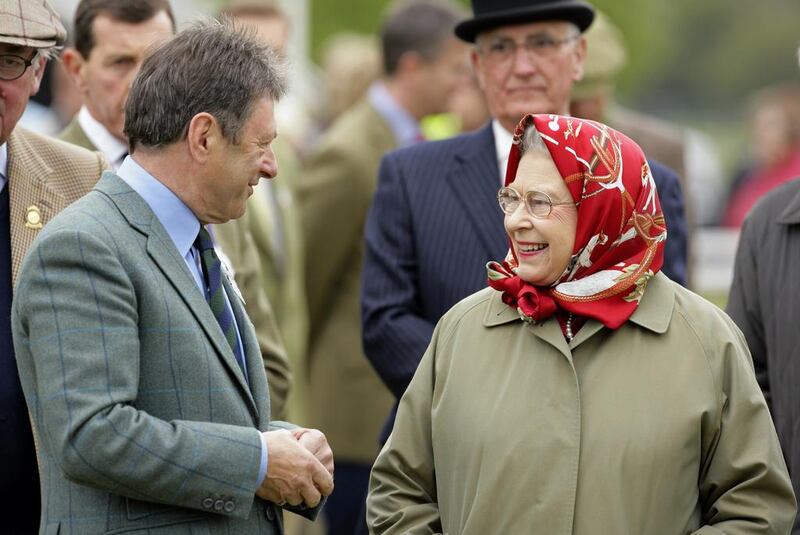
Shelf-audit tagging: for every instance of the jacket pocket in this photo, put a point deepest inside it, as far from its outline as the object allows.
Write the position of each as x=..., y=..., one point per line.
x=143, y=515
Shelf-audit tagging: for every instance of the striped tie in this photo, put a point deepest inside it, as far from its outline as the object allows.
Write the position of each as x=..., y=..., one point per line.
x=215, y=293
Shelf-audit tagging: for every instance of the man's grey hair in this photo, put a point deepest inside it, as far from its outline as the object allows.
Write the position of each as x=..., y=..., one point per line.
x=46, y=53
x=420, y=26
x=532, y=142
x=214, y=67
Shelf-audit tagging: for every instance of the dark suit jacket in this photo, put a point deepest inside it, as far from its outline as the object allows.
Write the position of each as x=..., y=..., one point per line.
x=433, y=224
x=765, y=304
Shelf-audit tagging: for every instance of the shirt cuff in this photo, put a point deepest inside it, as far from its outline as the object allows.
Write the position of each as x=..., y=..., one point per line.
x=262, y=469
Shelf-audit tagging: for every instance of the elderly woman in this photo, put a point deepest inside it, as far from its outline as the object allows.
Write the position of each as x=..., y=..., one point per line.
x=583, y=392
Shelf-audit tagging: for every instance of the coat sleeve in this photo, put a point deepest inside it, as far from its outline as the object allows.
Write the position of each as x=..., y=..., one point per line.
x=744, y=484
x=671, y=197
x=394, y=332
x=402, y=489
x=744, y=303
x=75, y=324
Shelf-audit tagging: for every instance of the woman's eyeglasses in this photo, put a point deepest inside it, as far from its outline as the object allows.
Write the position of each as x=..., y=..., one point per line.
x=538, y=203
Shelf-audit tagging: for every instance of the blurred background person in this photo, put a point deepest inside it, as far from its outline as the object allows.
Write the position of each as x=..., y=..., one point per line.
x=773, y=146
x=351, y=63
x=423, y=64
x=110, y=43
x=271, y=22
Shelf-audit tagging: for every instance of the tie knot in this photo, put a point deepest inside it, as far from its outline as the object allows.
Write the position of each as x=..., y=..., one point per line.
x=203, y=242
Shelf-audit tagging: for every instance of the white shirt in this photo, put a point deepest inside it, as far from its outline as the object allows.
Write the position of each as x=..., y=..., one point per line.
x=112, y=148
x=3, y=165
x=503, y=139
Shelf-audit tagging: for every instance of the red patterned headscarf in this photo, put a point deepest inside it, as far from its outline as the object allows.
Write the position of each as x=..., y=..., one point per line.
x=620, y=236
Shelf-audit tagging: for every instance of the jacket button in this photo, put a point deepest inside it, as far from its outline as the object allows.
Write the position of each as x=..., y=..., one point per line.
x=229, y=506
x=270, y=513
x=208, y=503
x=218, y=505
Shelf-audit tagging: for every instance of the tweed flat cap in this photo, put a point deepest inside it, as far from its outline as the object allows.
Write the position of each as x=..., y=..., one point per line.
x=32, y=23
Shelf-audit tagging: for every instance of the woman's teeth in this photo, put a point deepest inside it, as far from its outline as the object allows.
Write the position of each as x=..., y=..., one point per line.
x=532, y=248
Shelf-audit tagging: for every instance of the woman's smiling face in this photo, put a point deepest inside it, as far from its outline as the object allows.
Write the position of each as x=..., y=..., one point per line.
x=543, y=246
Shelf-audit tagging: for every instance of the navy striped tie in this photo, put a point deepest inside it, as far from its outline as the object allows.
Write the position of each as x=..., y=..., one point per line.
x=215, y=292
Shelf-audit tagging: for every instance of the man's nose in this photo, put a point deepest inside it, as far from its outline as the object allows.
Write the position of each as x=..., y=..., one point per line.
x=523, y=62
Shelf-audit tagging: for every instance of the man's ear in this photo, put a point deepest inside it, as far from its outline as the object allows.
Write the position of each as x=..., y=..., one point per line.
x=580, y=59
x=75, y=65
x=203, y=136
x=409, y=62
x=475, y=61
x=38, y=73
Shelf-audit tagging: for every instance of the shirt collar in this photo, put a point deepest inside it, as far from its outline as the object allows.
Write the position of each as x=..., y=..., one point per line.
x=177, y=219
x=3, y=165
x=503, y=139
x=404, y=127
x=653, y=313
x=112, y=148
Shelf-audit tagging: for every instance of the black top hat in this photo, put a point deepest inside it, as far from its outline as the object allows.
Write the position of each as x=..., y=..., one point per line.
x=494, y=13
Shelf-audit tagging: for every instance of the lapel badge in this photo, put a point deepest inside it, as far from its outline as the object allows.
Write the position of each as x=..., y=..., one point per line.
x=33, y=217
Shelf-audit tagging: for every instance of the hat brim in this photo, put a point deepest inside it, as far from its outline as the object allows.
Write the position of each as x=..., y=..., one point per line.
x=29, y=42
x=579, y=13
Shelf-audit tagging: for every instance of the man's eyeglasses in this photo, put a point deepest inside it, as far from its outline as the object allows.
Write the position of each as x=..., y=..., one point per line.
x=13, y=66
x=538, y=203
x=536, y=46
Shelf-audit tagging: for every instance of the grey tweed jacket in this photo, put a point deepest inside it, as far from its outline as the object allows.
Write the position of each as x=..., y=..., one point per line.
x=145, y=420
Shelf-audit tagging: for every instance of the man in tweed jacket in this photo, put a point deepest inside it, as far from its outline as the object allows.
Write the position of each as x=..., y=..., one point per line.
x=152, y=411
x=38, y=178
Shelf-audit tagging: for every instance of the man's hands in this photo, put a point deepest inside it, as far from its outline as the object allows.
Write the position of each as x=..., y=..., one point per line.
x=299, y=467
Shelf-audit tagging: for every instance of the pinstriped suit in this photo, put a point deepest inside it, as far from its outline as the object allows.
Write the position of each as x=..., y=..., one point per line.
x=433, y=224
x=145, y=419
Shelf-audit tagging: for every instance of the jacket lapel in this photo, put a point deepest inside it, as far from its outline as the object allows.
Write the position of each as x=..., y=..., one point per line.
x=474, y=180
x=254, y=361
x=163, y=253
x=33, y=200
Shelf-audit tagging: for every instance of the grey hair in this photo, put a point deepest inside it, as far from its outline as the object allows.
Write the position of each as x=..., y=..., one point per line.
x=214, y=67
x=532, y=142
x=47, y=53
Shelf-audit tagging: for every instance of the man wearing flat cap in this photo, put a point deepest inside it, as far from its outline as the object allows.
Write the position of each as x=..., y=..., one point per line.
x=434, y=221
x=38, y=178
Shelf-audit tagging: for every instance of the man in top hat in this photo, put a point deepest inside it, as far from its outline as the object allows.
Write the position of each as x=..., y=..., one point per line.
x=434, y=221
x=38, y=178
